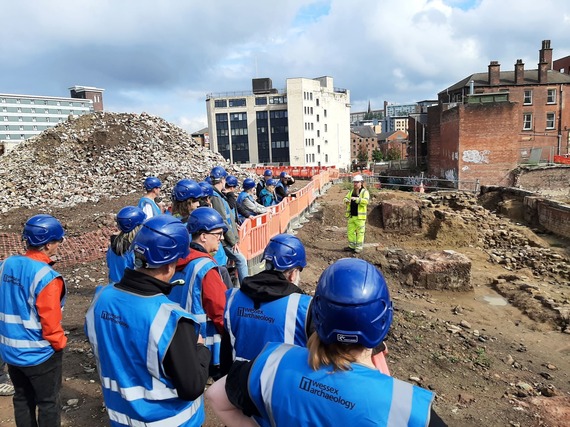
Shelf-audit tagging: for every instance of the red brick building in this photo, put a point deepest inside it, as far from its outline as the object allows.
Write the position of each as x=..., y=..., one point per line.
x=362, y=138
x=394, y=142
x=489, y=123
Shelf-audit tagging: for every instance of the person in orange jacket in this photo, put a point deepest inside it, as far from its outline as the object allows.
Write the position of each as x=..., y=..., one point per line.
x=31, y=301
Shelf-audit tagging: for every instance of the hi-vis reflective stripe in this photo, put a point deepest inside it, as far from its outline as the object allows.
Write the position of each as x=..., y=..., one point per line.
x=268, y=376
x=401, y=409
x=197, y=267
x=155, y=333
x=228, y=323
x=176, y=420
x=33, y=321
x=291, y=318
x=10, y=342
x=159, y=390
x=213, y=340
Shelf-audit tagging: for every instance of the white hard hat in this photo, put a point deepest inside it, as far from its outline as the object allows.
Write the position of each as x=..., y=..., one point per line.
x=357, y=178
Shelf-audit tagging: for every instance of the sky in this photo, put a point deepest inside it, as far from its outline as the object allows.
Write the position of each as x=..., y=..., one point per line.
x=163, y=57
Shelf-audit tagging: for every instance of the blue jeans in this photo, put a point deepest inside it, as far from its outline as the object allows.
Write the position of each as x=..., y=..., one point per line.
x=241, y=262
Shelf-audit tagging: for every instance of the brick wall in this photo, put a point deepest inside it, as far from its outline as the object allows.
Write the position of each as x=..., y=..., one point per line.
x=551, y=215
x=543, y=178
x=488, y=147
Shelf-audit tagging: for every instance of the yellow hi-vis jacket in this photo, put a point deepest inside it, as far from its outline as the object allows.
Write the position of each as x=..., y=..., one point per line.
x=363, y=199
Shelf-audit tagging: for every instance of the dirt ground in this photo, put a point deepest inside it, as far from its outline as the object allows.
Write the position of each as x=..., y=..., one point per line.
x=488, y=362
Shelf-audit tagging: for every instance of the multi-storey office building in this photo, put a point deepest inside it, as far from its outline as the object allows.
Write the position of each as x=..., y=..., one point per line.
x=24, y=116
x=305, y=124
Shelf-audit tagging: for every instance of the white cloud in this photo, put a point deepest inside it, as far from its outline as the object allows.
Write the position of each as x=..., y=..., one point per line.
x=163, y=57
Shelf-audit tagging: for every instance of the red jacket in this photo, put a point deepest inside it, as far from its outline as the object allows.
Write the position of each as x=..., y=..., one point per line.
x=48, y=304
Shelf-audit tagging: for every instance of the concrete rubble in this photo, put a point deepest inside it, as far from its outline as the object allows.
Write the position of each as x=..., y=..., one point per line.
x=101, y=155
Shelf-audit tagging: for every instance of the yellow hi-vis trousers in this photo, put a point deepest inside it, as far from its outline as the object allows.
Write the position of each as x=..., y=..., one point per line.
x=355, y=232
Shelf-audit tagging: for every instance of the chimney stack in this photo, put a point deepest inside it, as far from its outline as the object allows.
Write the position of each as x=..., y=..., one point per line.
x=545, y=54
x=494, y=73
x=519, y=72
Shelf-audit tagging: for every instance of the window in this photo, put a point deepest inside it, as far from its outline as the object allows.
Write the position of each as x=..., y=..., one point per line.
x=33, y=110
x=35, y=127
x=326, y=158
x=32, y=101
x=238, y=102
x=261, y=100
x=527, y=121
x=278, y=100
x=527, y=97
x=21, y=127
x=19, y=119
x=318, y=118
x=325, y=113
x=550, y=120
x=317, y=101
x=18, y=101
x=325, y=127
x=22, y=136
x=551, y=96
x=19, y=109
x=318, y=133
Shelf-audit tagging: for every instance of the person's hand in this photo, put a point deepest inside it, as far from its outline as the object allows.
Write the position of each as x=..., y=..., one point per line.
x=354, y=199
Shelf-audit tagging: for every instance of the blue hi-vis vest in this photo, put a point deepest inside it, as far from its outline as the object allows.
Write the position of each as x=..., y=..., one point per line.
x=130, y=335
x=21, y=281
x=189, y=296
x=266, y=198
x=229, y=213
x=285, y=188
x=117, y=264
x=283, y=320
x=287, y=392
x=146, y=201
x=241, y=197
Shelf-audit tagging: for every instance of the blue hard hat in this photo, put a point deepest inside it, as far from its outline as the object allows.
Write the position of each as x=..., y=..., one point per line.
x=205, y=219
x=151, y=183
x=207, y=189
x=129, y=218
x=218, y=173
x=352, y=304
x=248, y=184
x=284, y=252
x=283, y=174
x=208, y=180
x=272, y=181
x=162, y=239
x=231, y=181
x=267, y=172
x=186, y=189
x=41, y=229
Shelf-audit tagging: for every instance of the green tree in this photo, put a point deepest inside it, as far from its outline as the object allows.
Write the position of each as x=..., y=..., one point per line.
x=362, y=155
x=393, y=154
x=377, y=155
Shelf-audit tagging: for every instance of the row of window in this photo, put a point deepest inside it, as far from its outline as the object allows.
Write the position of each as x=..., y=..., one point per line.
x=242, y=102
x=528, y=121
x=309, y=142
x=550, y=96
x=22, y=127
x=42, y=102
x=34, y=119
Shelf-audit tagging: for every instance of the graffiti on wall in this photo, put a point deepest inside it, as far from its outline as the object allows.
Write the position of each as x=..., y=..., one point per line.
x=476, y=156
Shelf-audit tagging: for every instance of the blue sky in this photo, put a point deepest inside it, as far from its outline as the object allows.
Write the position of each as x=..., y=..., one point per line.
x=164, y=57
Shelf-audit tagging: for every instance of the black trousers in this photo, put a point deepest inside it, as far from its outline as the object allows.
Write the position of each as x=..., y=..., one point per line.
x=38, y=387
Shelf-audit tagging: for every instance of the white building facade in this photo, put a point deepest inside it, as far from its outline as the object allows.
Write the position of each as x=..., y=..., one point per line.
x=306, y=124
x=24, y=116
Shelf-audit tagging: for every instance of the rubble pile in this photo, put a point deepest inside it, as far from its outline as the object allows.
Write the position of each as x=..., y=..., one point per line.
x=512, y=246
x=100, y=155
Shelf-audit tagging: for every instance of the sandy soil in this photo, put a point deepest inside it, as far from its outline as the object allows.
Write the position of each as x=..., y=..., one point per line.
x=498, y=369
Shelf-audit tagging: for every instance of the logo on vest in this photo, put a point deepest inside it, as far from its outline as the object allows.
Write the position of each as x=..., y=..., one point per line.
x=11, y=280
x=256, y=314
x=115, y=318
x=349, y=339
x=325, y=391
